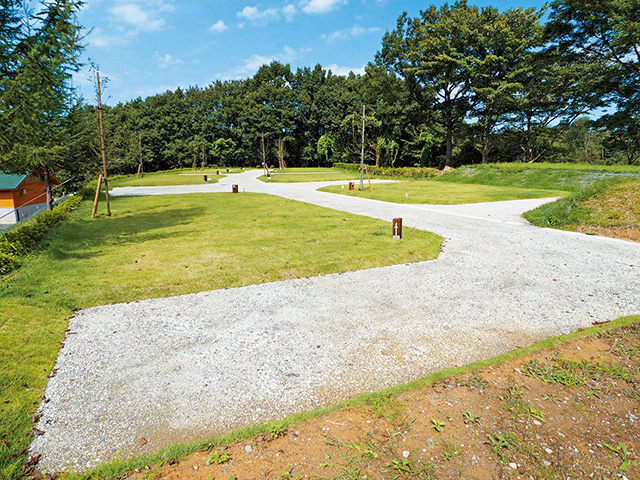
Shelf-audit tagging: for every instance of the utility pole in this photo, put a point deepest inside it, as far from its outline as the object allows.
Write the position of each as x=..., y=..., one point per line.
x=362, y=154
x=104, y=154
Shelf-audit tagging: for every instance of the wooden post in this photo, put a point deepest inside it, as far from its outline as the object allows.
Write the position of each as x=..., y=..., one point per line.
x=140, y=151
x=104, y=154
x=97, y=199
x=397, y=229
x=362, y=153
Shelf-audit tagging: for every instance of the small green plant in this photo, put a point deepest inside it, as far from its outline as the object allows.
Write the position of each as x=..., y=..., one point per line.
x=153, y=472
x=502, y=442
x=551, y=397
x=537, y=414
x=218, y=457
x=470, y=417
x=621, y=450
x=386, y=406
x=475, y=381
x=403, y=465
x=437, y=425
x=449, y=450
x=277, y=430
x=288, y=475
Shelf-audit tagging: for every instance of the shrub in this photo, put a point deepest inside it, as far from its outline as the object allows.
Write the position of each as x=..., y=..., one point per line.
x=19, y=240
x=403, y=172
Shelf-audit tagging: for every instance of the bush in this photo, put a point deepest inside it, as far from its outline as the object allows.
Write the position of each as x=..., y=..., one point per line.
x=403, y=172
x=16, y=242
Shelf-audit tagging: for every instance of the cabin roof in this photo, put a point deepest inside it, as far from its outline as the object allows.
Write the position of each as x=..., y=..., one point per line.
x=10, y=181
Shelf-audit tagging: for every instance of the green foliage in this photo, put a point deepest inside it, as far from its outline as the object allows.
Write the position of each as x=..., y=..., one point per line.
x=218, y=457
x=470, y=417
x=18, y=241
x=570, y=210
x=437, y=425
x=404, y=172
x=277, y=430
x=34, y=94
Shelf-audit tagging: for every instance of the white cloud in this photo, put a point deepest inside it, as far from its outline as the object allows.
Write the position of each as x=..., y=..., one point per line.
x=166, y=60
x=145, y=20
x=289, y=11
x=218, y=27
x=254, y=14
x=322, y=6
x=350, y=33
x=251, y=65
x=344, y=71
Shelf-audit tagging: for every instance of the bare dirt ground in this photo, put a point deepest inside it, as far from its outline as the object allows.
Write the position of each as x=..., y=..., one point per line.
x=572, y=411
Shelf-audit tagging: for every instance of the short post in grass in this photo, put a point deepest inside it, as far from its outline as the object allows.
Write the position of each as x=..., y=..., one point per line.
x=350, y=185
x=397, y=228
x=205, y=178
x=234, y=188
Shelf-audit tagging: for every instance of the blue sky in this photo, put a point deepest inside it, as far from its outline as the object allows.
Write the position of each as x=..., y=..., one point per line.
x=146, y=47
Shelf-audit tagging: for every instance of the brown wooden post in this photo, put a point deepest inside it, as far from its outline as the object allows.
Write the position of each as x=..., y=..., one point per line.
x=397, y=229
x=350, y=185
x=234, y=188
x=97, y=199
x=365, y=169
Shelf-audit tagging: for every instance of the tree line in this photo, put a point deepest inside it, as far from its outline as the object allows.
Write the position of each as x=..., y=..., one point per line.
x=455, y=85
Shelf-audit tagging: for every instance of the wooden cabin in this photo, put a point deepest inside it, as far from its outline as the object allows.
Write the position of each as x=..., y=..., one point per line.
x=22, y=196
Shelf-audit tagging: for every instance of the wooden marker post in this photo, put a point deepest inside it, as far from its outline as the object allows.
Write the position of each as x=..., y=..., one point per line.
x=350, y=185
x=97, y=199
x=397, y=228
x=234, y=188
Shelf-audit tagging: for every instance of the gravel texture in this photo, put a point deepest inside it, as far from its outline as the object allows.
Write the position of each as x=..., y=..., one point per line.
x=185, y=368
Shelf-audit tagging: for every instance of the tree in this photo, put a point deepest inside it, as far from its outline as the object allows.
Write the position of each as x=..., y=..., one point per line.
x=436, y=52
x=268, y=107
x=605, y=33
x=35, y=96
x=505, y=41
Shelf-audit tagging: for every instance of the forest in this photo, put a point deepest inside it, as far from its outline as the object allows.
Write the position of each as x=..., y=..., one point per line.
x=457, y=85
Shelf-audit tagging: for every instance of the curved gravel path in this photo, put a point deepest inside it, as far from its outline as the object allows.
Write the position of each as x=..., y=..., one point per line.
x=183, y=368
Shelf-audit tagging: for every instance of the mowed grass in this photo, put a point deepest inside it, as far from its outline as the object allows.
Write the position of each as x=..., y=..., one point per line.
x=161, y=246
x=441, y=193
x=185, y=177
x=553, y=176
x=296, y=175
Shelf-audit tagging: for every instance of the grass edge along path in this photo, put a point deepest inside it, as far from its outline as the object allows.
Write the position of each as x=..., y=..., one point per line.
x=118, y=468
x=569, y=212
x=78, y=269
x=442, y=193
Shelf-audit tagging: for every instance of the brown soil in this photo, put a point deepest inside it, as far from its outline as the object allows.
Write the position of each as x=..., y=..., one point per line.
x=572, y=411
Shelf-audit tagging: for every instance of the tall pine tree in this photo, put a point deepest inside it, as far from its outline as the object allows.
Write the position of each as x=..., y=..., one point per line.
x=39, y=54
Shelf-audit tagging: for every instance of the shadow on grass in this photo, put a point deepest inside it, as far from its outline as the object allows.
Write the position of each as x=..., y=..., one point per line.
x=86, y=237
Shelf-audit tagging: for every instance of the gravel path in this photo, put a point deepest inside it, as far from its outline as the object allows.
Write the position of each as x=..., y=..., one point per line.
x=188, y=367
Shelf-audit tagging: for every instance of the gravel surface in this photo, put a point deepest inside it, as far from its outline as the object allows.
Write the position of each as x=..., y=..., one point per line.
x=184, y=368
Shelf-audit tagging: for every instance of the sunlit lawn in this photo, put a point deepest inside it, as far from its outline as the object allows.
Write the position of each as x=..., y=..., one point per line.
x=161, y=246
x=184, y=177
x=295, y=175
x=441, y=193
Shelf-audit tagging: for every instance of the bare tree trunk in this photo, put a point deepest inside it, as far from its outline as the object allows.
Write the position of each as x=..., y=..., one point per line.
x=47, y=188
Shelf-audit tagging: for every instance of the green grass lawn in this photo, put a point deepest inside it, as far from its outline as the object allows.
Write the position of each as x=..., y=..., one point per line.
x=552, y=176
x=161, y=246
x=441, y=193
x=184, y=177
x=296, y=175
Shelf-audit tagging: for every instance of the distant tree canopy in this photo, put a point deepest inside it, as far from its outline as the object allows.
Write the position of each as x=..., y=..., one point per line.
x=458, y=84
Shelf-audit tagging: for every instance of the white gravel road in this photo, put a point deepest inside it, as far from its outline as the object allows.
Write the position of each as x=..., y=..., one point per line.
x=188, y=367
